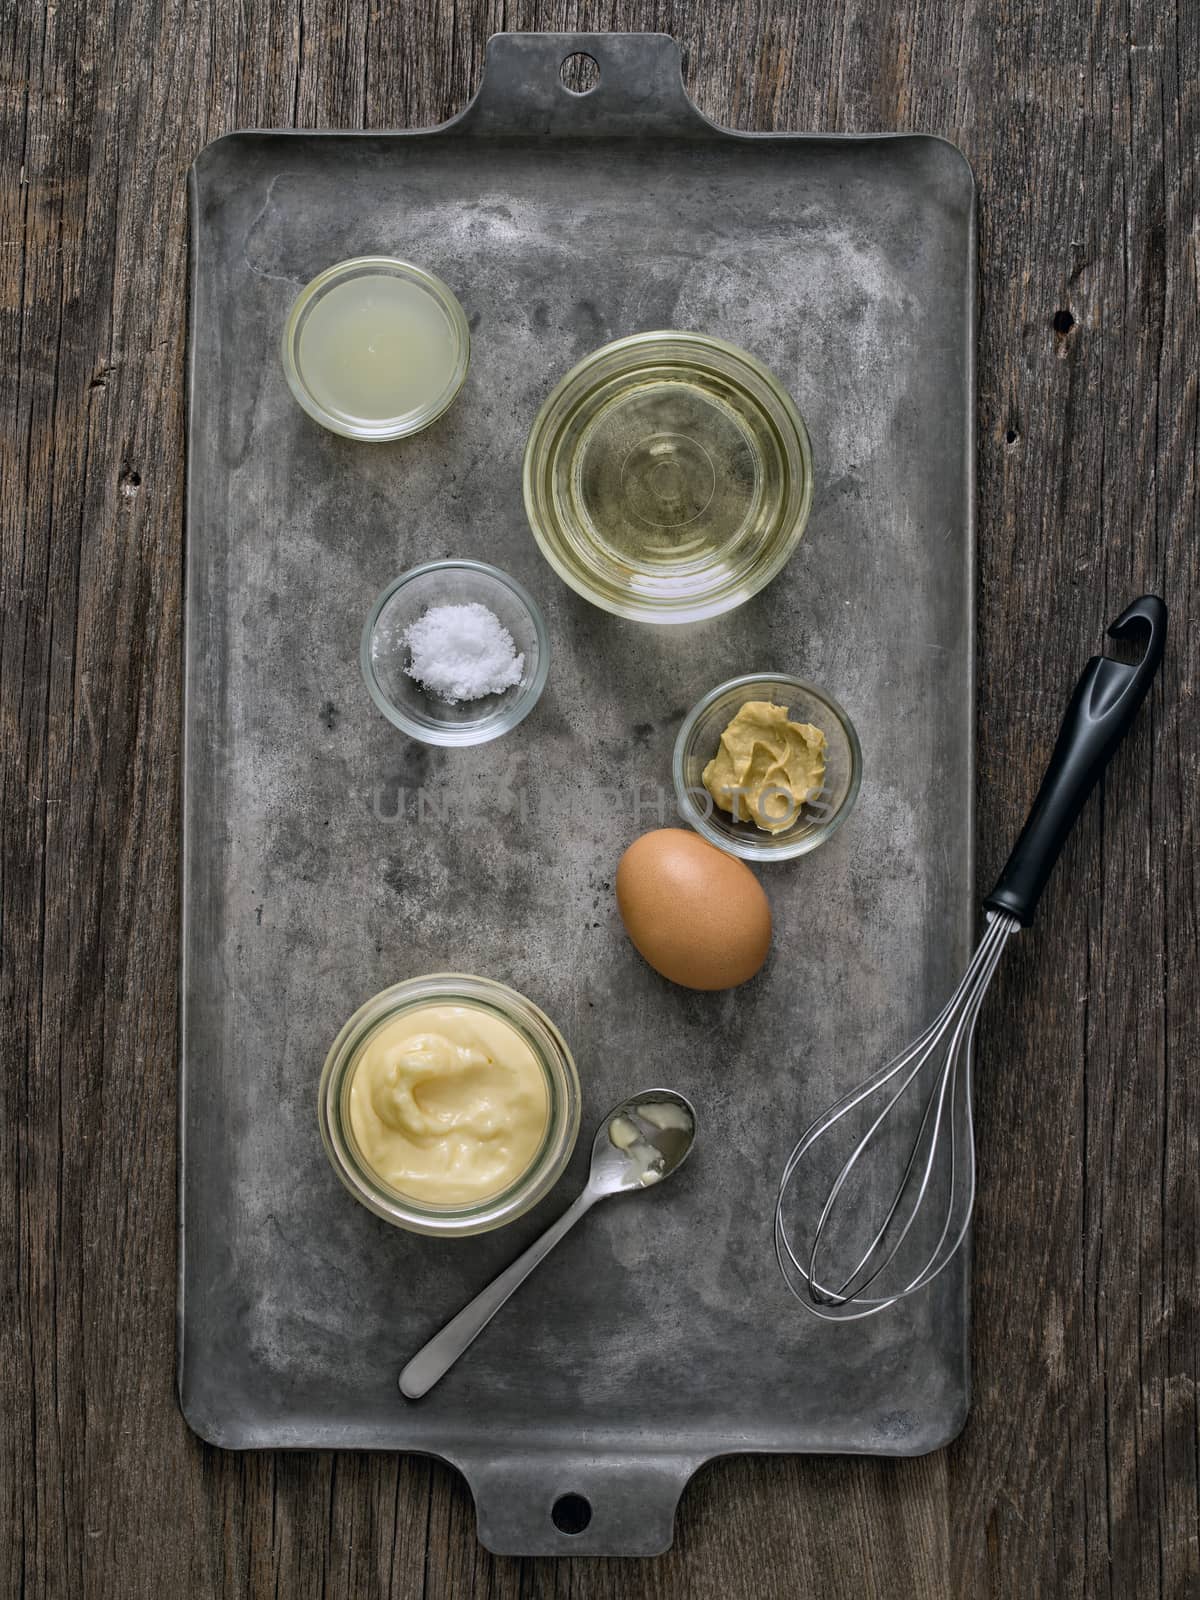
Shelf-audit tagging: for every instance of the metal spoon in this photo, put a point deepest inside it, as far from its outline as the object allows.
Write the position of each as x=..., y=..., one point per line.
x=636, y=1146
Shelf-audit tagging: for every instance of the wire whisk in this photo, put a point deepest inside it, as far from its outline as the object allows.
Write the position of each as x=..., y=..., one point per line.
x=857, y=1253
x=937, y=1063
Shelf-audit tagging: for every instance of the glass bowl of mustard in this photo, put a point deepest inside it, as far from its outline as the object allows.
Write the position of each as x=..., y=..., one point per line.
x=449, y=1104
x=668, y=477
x=766, y=767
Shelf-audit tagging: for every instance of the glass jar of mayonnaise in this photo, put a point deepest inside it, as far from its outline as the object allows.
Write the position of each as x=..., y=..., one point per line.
x=449, y=1104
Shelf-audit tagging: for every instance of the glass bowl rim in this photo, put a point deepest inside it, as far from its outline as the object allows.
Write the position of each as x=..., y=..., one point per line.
x=458, y=734
x=393, y=427
x=765, y=849
x=563, y=1092
x=693, y=609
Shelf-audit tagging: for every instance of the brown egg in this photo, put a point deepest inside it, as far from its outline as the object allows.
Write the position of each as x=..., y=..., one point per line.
x=698, y=916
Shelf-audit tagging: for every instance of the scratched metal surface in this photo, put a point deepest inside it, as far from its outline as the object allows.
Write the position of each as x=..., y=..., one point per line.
x=321, y=862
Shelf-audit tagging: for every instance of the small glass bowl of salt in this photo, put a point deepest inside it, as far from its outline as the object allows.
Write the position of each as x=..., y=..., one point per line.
x=455, y=653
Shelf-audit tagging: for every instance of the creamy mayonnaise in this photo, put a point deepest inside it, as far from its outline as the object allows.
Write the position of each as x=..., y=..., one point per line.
x=448, y=1104
x=647, y=1162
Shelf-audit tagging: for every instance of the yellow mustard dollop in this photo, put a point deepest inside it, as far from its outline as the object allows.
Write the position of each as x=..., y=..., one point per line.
x=448, y=1104
x=766, y=767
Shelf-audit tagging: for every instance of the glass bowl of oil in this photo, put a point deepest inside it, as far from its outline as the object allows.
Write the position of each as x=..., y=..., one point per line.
x=375, y=348
x=668, y=477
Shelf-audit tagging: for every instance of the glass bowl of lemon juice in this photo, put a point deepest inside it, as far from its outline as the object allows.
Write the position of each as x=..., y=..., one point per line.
x=376, y=348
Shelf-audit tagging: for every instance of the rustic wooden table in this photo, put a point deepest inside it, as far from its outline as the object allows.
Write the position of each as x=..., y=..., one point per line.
x=1078, y=1473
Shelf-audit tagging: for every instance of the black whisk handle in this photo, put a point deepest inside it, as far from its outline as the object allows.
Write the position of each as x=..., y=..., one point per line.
x=1102, y=709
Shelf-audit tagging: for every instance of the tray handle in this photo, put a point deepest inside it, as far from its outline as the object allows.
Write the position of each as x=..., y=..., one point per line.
x=557, y=1504
x=639, y=90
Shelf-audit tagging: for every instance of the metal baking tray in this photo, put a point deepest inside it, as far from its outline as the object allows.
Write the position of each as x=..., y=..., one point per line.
x=324, y=856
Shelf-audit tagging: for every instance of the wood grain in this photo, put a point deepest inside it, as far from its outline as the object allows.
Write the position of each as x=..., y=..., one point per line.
x=1078, y=1473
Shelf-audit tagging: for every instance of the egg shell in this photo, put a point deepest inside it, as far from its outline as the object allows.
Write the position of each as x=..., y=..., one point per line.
x=697, y=915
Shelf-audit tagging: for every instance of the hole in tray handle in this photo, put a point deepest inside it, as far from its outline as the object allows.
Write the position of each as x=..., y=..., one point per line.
x=571, y=1513
x=580, y=73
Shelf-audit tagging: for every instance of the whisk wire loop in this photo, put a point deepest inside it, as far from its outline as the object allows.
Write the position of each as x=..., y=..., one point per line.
x=941, y=1152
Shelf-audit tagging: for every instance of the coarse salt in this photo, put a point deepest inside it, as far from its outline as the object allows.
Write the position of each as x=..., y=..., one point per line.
x=462, y=653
